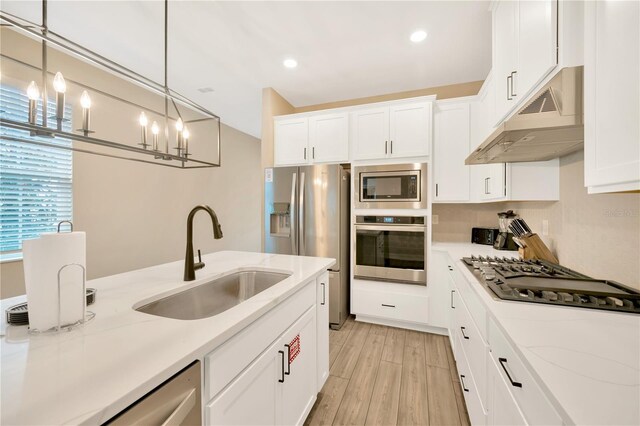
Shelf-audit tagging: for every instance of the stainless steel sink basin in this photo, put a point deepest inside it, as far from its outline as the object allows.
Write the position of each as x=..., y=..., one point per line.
x=213, y=297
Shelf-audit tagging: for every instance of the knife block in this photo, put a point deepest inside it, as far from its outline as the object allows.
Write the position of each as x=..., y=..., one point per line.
x=534, y=248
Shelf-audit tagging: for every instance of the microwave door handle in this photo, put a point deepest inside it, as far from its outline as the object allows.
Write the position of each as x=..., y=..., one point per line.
x=292, y=214
x=301, y=226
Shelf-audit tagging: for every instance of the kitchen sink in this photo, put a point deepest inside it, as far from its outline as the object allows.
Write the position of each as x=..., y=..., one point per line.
x=213, y=297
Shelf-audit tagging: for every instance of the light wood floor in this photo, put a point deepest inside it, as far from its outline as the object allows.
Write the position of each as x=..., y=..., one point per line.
x=389, y=376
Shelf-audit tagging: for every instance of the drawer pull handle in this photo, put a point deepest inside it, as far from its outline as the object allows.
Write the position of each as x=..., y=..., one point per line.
x=288, y=360
x=502, y=363
x=464, y=387
x=462, y=329
x=282, y=379
x=324, y=297
x=388, y=306
x=452, y=307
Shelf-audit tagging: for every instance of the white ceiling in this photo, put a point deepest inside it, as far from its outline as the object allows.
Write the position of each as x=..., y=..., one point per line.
x=345, y=49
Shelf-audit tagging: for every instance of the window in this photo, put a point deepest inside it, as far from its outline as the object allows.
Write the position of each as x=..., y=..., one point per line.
x=35, y=181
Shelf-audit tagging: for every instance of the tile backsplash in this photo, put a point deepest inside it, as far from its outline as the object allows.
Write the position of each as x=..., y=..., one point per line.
x=598, y=235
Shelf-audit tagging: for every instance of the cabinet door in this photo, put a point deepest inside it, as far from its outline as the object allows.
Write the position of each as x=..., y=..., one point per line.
x=322, y=336
x=329, y=138
x=291, y=137
x=298, y=392
x=502, y=407
x=410, y=129
x=505, y=56
x=251, y=398
x=370, y=133
x=537, y=43
x=494, y=182
x=612, y=96
x=450, y=149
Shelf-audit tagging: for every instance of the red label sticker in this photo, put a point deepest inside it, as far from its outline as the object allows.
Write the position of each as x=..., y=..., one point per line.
x=295, y=348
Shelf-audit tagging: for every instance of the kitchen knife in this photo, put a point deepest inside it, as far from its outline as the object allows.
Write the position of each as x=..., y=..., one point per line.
x=525, y=226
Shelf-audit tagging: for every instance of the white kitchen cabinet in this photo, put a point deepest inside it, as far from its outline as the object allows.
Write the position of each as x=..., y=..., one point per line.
x=525, y=49
x=392, y=131
x=370, y=138
x=390, y=301
x=329, y=138
x=268, y=373
x=502, y=409
x=505, y=55
x=490, y=180
x=450, y=148
x=322, y=333
x=612, y=96
x=291, y=139
x=537, y=43
x=439, y=290
x=410, y=129
x=252, y=398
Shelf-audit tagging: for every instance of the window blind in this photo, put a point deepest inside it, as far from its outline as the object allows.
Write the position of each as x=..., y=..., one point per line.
x=35, y=181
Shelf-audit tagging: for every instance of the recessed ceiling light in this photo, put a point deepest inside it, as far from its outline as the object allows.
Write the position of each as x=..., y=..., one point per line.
x=290, y=63
x=418, y=36
x=205, y=89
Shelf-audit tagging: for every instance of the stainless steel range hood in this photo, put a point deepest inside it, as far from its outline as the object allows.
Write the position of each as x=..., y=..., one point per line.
x=548, y=126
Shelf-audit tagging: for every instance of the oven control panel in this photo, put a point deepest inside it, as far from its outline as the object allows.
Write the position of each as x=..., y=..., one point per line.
x=396, y=220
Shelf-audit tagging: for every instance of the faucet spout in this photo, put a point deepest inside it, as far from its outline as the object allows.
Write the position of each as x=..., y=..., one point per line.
x=190, y=266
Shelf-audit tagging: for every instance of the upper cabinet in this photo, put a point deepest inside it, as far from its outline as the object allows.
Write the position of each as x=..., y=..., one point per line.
x=396, y=131
x=525, y=49
x=291, y=136
x=450, y=148
x=329, y=138
x=302, y=140
x=370, y=133
x=612, y=96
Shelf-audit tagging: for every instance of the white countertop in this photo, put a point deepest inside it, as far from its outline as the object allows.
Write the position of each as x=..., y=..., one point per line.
x=586, y=361
x=91, y=373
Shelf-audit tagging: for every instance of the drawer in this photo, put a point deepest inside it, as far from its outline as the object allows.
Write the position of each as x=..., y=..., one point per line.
x=474, y=348
x=227, y=361
x=531, y=400
x=475, y=408
x=471, y=299
x=397, y=305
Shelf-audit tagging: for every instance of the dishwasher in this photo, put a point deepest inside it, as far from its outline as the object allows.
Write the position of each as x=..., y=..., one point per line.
x=175, y=402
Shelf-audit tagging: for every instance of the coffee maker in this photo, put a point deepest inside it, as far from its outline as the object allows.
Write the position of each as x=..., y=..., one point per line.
x=504, y=240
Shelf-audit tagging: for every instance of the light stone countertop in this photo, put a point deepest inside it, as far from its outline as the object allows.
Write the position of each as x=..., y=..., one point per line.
x=586, y=361
x=91, y=373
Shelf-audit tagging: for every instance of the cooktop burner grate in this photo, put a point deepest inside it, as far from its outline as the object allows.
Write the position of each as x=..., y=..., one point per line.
x=539, y=281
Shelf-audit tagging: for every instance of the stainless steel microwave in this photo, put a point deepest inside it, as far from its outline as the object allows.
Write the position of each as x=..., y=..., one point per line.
x=391, y=186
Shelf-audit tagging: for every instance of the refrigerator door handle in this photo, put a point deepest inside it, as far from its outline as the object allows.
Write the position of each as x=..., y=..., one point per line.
x=301, y=223
x=292, y=214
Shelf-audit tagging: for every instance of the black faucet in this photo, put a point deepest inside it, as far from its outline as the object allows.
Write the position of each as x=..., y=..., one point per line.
x=190, y=267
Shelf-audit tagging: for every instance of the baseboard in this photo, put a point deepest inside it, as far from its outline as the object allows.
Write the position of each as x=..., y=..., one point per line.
x=403, y=324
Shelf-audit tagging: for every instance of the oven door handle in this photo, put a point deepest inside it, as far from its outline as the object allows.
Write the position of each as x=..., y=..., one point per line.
x=396, y=228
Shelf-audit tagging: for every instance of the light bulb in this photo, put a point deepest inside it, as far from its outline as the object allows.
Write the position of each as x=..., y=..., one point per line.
x=85, y=100
x=154, y=128
x=143, y=119
x=185, y=133
x=179, y=125
x=59, y=84
x=33, y=92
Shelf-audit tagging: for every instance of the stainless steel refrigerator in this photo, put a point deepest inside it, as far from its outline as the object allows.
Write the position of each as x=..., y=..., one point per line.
x=307, y=214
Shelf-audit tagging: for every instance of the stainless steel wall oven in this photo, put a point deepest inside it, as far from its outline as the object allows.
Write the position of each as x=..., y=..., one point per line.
x=391, y=248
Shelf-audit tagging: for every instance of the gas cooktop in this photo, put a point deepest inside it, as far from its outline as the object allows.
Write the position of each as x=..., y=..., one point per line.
x=539, y=281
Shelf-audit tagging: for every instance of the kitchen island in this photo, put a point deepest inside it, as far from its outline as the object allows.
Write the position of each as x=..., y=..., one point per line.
x=90, y=374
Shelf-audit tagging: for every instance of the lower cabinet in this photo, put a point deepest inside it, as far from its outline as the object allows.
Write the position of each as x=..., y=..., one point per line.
x=390, y=301
x=497, y=387
x=278, y=385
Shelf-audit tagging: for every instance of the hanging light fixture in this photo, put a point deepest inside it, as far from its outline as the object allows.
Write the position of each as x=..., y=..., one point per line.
x=195, y=112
